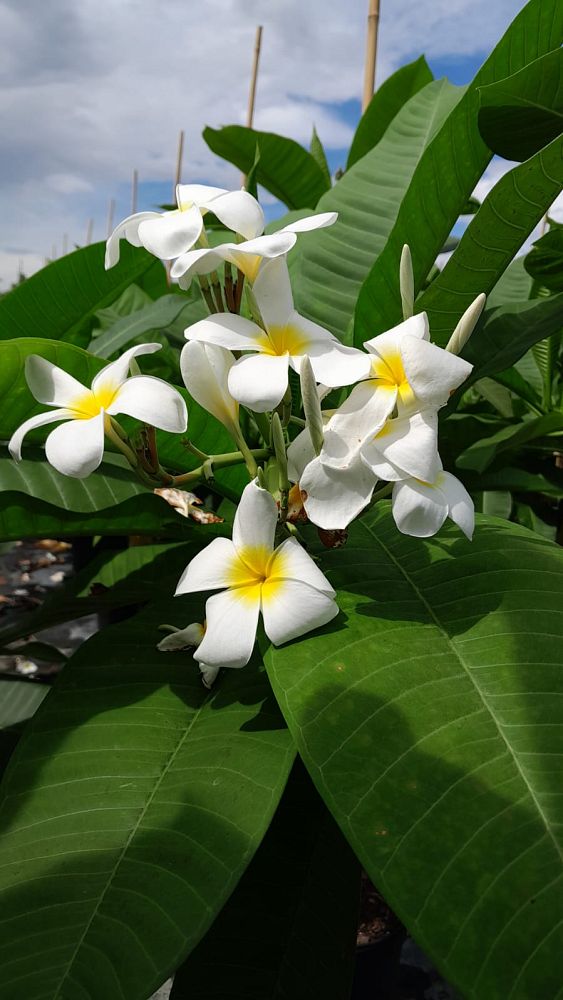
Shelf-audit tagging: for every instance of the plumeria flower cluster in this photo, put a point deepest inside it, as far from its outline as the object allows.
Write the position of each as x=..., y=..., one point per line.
x=244, y=360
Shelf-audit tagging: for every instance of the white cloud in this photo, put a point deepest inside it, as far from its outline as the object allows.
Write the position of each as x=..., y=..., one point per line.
x=90, y=90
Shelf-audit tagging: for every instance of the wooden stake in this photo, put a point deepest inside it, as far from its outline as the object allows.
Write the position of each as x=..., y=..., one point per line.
x=65, y=244
x=89, y=231
x=111, y=210
x=371, y=52
x=178, y=178
x=134, y=190
x=53, y=252
x=253, y=79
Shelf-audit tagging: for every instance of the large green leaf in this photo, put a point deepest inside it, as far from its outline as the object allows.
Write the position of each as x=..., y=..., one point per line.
x=429, y=717
x=514, y=285
x=507, y=216
x=285, y=169
x=545, y=260
x=482, y=453
x=19, y=700
x=112, y=483
x=396, y=90
x=520, y=115
x=331, y=264
x=289, y=929
x=448, y=171
x=155, y=316
x=133, y=804
x=59, y=302
x=319, y=155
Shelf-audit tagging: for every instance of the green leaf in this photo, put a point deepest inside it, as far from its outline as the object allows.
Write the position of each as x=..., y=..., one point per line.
x=480, y=454
x=545, y=260
x=513, y=285
x=448, y=172
x=330, y=264
x=133, y=804
x=497, y=395
x=112, y=483
x=285, y=169
x=289, y=929
x=156, y=316
x=513, y=380
x=132, y=299
x=319, y=155
x=428, y=716
x=497, y=503
x=523, y=113
x=59, y=302
x=509, y=213
x=386, y=104
x=19, y=700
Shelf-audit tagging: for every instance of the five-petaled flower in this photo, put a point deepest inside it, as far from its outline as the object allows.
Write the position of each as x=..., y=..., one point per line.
x=77, y=446
x=282, y=583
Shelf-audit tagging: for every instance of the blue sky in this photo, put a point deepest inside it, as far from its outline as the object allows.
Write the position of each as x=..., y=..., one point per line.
x=90, y=90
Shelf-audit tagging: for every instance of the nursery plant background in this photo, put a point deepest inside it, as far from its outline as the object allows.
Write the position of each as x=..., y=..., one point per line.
x=427, y=714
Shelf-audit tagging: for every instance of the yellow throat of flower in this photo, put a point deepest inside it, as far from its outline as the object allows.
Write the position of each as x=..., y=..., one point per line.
x=388, y=370
x=256, y=574
x=89, y=404
x=280, y=340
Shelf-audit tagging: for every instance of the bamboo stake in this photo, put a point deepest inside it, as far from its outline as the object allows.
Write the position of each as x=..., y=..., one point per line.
x=134, y=191
x=178, y=179
x=89, y=231
x=53, y=252
x=253, y=79
x=371, y=52
x=111, y=210
x=65, y=244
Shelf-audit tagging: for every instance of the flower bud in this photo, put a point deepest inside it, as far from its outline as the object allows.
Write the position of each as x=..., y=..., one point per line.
x=466, y=325
x=406, y=282
x=311, y=405
x=181, y=638
x=278, y=444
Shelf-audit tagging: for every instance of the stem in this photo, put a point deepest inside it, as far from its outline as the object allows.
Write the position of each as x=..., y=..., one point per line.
x=216, y=289
x=263, y=425
x=221, y=461
x=238, y=289
x=119, y=443
x=229, y=287
x=195, y=451
x=298, y=421
x=385, y=491
x=206, y=292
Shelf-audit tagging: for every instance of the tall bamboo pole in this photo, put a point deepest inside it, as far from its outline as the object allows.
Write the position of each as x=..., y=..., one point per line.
x=65, y=244
x=179, y=156
x=253, y=79
x=134, y=192
x=371, y=52
x=89, y=232
x=111, y=210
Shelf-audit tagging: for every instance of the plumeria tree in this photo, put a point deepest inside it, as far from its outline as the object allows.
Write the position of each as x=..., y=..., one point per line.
x=323, y=658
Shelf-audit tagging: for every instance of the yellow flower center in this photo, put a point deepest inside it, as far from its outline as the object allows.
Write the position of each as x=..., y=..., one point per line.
x=280, y=340
x=248, y=263
x=389, y=373
x=89, y=403
x=256, y=574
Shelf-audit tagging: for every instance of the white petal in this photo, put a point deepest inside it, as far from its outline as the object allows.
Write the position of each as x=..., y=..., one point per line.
x=291, y=562
x=460, y=505
x=272, y=291
x=205, y=369
x=255, y=521
x=406, y=446
x=153, y=401
x=196, y=262
x=117, y=371
x=239, y=211
x=415, y=326
x=292, y=608
x=171, y=234
x=318, y=221
x=15, y=442
x=299, y=454
x=208, y=674
x=76, y=448
x=336, y=365
x=210, y=569
x=126, y=230
x=50, y=384
x=227, y=330
x=182, y=639
x=432, y=372
x=232, y=619
x=419, y=509
x=336, y=496
x=259, y=381
x=196, y=194
x=361, y=415
x=248, y=255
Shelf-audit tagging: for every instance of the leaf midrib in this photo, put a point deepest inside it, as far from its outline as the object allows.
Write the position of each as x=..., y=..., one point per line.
x=468, y=672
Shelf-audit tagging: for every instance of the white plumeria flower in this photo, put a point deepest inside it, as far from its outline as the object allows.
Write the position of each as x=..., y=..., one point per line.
x=420, y=508
x=205, y=369
x=247, y=256
x=407, y=372
x=259, y=380
x=77, y=446
x=169, y=234
x=283, y=583
x=185, y=638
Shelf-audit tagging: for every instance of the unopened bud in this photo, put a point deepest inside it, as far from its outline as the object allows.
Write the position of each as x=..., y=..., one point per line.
x=180, y=638
x=278, y=444
x=466, y=325
x=311, y=405
x=406, y=282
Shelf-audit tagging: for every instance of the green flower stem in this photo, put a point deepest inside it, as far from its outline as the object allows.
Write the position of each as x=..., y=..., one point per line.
x=190, y=446
x=263, y=425
x=229, y=287
x=206, y=292
x=298, y=421
x=216, y=289
x=117, y=436
x=205, y=471
x=238, y=289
